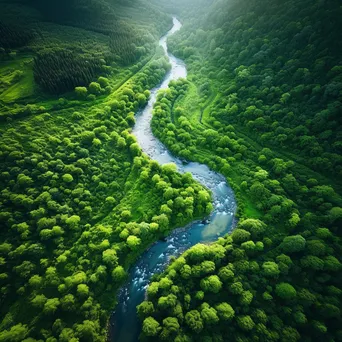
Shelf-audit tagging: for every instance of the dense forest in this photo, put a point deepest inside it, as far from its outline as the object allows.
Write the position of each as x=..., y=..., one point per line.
x=80, y=201
x=262, y=105
x=74, y=211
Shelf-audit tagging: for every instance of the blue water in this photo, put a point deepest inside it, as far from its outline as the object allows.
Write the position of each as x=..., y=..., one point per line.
x=124, y=323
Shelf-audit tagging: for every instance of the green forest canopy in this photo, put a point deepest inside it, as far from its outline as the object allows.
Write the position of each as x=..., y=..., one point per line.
x=79, y=201
x=261, y=105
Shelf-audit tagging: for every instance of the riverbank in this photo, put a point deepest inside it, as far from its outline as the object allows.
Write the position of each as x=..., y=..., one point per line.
x=221, y=221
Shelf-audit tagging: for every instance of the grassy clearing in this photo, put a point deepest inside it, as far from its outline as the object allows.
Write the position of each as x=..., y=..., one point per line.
x=205, y=115
x=16, y=79
x=189, y=103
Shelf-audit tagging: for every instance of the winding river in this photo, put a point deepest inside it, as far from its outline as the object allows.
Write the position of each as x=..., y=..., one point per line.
x=124, y=323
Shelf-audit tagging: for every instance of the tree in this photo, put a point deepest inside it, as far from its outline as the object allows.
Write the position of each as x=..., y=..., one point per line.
x=335, y=214
x=81, y=92
x=82, y=290
x=119, y=274
x=51, y=305
x=165, y=283
x=152, y=289
x=109, y=257
x=73, y=221
x=96, y=142
x=240, y=235
x=167, y=302
x=319, y=326
x=290, y=334
x=185, y=272
x=254, y=226
x=75, y=279
x=332, y=264
x=211, y=284
x=245, y=322
x=24, y=269
x=87, y=330
x=67, y=178
x=141, y=99
x=203, y=196
x=150, y=327
x=199, y=295
x=24, y=180
x=312, y=262
x=121, y=142
x=68, y=302
x=226, y=274
x=135, y=149
x=285, y=291
x=67, y=335
x=39, y=301
x=36, y=281
x=225, y=311
x=170, y=326
x=144, y=309
x=169, y=168
x=94, y=88
x=194, y=321
x=329, y=311
x=246, y=298
x=259, y=192
x=103, y=81
x=110, y=200
x=46, y=222
x=293, y=244
x=5, y=248
x=248, y=246
x=209, y=314
x=133, y=242
x=17, y=333
x=316, y=247
x=324, y=233
x=162, y=221
x=270, y=269
x=207, y=267
x=236, y=288
x=126, y=215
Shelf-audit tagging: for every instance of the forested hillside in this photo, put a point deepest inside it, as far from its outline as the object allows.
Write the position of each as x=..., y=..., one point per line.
x=52, y=47
x=261, y=105
x=79, y=201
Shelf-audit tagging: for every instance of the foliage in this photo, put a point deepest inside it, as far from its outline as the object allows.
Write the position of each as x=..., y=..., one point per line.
x=76, y=206
x=260, y=105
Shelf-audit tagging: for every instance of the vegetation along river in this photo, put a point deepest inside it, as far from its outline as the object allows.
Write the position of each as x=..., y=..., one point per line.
x=124, y=324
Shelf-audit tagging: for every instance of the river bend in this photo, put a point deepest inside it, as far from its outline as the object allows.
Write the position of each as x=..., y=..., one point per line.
x=124, y=323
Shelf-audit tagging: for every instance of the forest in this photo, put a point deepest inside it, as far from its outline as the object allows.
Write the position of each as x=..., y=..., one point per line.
x=81, y=201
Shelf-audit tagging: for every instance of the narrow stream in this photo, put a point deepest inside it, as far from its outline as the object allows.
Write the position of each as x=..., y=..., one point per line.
x=124, y=323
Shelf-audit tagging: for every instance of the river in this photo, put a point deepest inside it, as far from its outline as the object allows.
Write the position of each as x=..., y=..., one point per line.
x=124, y=323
